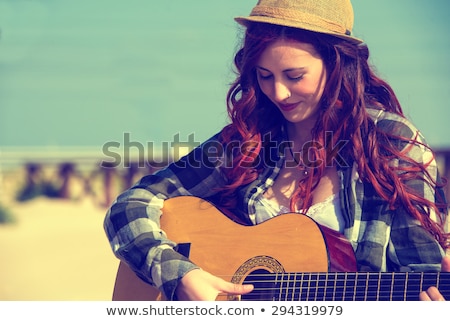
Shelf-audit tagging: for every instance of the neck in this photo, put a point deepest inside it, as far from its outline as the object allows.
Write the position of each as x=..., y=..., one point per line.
x=299, y=134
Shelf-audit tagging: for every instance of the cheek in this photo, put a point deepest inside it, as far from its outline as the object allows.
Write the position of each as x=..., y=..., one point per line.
x=311, y=89
x=304, y=89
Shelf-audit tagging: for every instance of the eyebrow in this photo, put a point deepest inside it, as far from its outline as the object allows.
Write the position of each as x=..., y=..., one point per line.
x=286, y=70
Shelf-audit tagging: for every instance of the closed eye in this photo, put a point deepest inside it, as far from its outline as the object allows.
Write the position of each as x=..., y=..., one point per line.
x=266, y=77
x=262, y=74
x=296, y=76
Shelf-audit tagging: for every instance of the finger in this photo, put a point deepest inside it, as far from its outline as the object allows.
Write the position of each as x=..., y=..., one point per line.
x=423, y=296
x=445, y=267
x=433, y=294
x=232, y=288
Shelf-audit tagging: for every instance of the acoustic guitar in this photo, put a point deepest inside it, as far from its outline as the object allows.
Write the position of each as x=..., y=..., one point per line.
x=289, y=257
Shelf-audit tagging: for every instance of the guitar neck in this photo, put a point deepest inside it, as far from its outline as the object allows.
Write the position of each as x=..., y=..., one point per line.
x=345, y=286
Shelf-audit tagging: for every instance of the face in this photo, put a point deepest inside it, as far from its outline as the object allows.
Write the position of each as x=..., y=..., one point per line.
x=292, y=75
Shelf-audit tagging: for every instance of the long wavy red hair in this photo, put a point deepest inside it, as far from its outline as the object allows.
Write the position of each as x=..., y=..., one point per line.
x=351, y=86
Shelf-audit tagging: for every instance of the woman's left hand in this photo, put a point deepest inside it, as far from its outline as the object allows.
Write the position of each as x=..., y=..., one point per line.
x=433, y=294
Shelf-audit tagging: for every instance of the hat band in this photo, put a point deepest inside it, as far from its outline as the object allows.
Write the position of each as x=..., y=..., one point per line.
x=302, y=17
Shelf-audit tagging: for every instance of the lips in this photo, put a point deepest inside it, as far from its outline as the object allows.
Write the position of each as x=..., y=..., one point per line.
x=287, y=107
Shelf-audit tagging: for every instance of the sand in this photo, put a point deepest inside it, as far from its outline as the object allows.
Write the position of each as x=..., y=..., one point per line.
x=57, y=250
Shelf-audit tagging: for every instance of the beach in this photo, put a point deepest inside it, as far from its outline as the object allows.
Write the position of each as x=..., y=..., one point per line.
x=56, y=250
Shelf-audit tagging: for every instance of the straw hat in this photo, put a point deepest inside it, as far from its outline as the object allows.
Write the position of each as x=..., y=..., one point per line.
x=334, y=17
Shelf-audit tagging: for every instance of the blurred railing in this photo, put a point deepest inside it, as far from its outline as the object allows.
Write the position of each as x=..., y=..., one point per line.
x=78, y=175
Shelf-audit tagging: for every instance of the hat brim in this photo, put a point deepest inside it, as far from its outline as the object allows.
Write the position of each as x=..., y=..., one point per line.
x=295, y=24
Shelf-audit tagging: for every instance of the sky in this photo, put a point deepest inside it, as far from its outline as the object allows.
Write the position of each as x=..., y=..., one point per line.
x=88, y=72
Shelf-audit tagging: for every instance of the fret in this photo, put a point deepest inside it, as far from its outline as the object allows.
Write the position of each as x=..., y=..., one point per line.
x=299, y=290
x=361, y=287
x=303, y=287
x=373, y=286
x=398, y=286
x=385, y=287
x=312, y=295
x=321, y=286
x=330, y=287
x=282, y=287
x=284, y=283
x=304, y=290
x=444, y=284
x=290, y=287
x=309, y=290
x=413, y=287
x=349, y=287
x=340, y=286
x=405, y=292
x=297, y=285
x=429, y=279
x=279, y=282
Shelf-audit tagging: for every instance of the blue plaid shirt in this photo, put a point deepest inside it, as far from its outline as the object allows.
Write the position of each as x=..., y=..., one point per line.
x=383, y=239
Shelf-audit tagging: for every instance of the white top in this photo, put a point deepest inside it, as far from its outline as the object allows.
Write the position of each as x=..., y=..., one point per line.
x=327, y=213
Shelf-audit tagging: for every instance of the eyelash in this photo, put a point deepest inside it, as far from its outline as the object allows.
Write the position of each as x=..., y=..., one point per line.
x=264, y=77
x=295, y=79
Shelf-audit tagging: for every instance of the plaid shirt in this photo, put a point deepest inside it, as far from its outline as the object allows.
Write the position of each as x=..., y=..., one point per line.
x=383, y=239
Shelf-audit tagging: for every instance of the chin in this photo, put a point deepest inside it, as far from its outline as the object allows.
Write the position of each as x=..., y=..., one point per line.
x=296, y=118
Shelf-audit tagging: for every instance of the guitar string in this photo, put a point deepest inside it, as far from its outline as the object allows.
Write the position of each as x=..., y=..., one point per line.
x=402, y=279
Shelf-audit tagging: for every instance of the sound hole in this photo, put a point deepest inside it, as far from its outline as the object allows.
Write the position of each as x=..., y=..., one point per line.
x=265, y=287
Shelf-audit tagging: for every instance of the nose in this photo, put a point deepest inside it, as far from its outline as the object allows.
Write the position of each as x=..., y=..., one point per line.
x=281, y=91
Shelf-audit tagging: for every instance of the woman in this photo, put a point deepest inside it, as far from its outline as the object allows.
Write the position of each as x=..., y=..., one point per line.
x=318, y=133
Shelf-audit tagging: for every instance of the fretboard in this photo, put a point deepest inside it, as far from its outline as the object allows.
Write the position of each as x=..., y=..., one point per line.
x=345, y=286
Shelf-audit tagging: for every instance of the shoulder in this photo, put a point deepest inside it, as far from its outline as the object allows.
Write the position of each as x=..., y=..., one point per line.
x=393, y=124
x=400, y=133
x=398, y=129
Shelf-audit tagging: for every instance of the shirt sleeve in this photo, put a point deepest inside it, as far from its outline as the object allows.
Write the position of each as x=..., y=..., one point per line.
x=390, y=239
x=426, y=185
x=410, y=245
x=132, y=224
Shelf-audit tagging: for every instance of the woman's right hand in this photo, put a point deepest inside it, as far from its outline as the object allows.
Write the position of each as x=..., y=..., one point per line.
x=199, y=285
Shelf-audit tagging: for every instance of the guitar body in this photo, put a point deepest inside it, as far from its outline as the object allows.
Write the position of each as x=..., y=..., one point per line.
x=236, y=252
